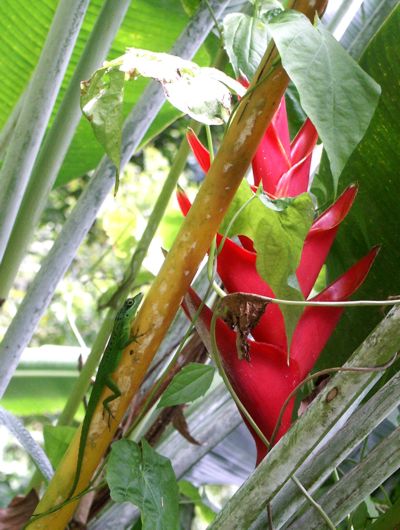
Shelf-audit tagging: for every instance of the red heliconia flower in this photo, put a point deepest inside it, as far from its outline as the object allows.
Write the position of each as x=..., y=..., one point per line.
x=264, y=382
x=282, y=167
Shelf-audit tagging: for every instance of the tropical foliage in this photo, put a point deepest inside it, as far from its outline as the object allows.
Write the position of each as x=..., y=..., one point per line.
x=284, y=142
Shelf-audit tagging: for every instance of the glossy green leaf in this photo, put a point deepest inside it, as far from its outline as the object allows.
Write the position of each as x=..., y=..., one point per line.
x=375, y=216
x=202, y=93
x=190, y=383
x=278, y=229
x=138, y=474
x=144, y=26
x=337, y=95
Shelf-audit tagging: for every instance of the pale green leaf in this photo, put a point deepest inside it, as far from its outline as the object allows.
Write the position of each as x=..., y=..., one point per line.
x=144, y=26
x=278, y=229
x=101, y=102
x=139, y=475
x=56, y=441
x=202, y=93
x=246, y=39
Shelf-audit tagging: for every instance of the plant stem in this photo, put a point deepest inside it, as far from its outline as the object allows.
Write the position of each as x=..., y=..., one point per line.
x=153, y=223
x=327, y=371
x=81, y=219
x=157, y=385
x=210, y=143
x=358, y=483
x=8, y=127
x=314, y=503
x=311, y=303
x=81, y=385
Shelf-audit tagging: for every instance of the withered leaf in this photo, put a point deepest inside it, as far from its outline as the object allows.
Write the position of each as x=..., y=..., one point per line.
x=18, y=512
x=180, y=424
x=242, y=312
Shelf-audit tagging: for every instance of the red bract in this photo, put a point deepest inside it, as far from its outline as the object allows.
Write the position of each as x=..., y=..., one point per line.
x=201, y=153
x=282, y=167
x=264, y=383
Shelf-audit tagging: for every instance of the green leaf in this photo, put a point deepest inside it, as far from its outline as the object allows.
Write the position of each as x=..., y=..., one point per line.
x=375, y=215
x=190, y=383
x=279, y=245
x=139, y=475
x=191, y=492
x=202, y=93
x=270, y=7
x=365, y=24
x=364, y=513
x=337, y=95
x=390, y=519
x=56, y=441
x=296, y=115
x=246, y=38
x=278, y=229
x=40, y=386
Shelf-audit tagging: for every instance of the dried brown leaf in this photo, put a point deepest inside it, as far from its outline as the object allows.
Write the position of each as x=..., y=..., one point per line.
x=242, y=312
x=180, y=424
x=18, y=512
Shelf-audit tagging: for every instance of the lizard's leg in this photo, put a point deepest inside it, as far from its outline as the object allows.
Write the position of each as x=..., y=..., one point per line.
x=109, y=383
x=133, y=338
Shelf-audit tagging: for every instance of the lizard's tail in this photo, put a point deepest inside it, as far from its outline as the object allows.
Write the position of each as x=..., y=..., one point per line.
x=77, y=475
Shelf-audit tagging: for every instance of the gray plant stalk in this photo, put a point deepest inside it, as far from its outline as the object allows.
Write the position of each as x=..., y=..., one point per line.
x=84, y=213
x=382, y=462
x=17, y=429
x=36, y=110
x=57, y=141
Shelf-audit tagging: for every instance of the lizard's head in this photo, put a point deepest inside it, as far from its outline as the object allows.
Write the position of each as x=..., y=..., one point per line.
x=130, y=307
x=131, y=304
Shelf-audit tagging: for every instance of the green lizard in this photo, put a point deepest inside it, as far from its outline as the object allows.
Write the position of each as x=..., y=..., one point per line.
x=120, y=337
